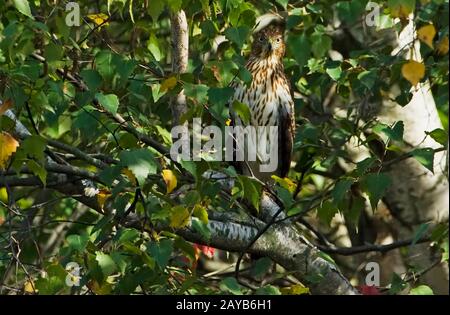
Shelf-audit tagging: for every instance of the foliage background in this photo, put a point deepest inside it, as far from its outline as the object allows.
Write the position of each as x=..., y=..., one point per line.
x=122, y=52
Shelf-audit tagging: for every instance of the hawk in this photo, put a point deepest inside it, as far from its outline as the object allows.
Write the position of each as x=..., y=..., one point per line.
x=268, y=97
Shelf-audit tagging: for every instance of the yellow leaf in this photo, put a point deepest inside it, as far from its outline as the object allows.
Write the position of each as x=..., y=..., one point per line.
x=168, y=84
x=29, y=287
x=442, y=46
x=170, y=180
x=8, y=145
x=99, y=18
x=102, y=195
x=128, y=173
x=180, y=217
x=98, y=289
x=295, y=289
x=201, y=213
x=285, y=182
x=401, y=9
x=3, y=194
x=155, y=235
x=5, y=106
x=413, y=71
x=426, y=34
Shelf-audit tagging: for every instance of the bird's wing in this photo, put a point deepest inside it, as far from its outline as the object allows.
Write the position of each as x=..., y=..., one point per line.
x=286, y=133
x=235, y=120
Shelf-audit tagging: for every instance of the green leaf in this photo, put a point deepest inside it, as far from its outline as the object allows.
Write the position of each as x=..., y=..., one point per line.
x=439, y=135
x=252, y=190
x=23, y=7
x=92, y=78
x=368, y=78
x=106, y=263
x=109, y=174
x=105, y=65
x=121, y=260
x=397, y=284
x=174, y=5
x=247, y=18
x=339, y=190
x=404, y=98
x=161, y=252
x=425, y=157
x=375, y=186
x=261, y=267
x=268, y=290
x=127, y=235
x=363, y=166
x=395, y=133
x=423, y=228
x=444, y=248
x=34, y=146
x=153, y=47
x=231, y=285
x=201, y=228
x=156, y=9
x=115, y=69
x=326, y=212
x=283, y=3
x=198, y=92
x=242, y=110
x=140, y=161
x=245, y=75
x=54, y=281
x=321, y=44
x=77, y=242
x=350, y=11
x=220, y=96
x=38, y=170
x=209, y=29
x=237, y=35
x=439, y=232
x=335, y=72
x=285, y=195
x=357, y=207
x=201, y=213
x=300, y=48
x=53, y=52
x=109, y=101
x=421, y=290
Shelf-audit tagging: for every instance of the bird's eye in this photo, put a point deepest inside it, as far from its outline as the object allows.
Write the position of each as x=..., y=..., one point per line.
x=278, y=40
x=261, y=39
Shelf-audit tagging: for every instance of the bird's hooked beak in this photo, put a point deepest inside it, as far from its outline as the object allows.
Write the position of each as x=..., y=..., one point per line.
x=269, y=45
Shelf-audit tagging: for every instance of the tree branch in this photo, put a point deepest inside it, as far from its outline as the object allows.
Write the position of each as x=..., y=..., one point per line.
x=347, y=251
x=180, y=49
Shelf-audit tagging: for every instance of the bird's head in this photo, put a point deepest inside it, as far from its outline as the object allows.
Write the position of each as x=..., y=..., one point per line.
x=269, y=42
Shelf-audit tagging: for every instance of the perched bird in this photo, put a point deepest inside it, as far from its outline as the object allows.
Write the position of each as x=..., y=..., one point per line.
x=268, y=97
